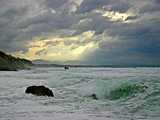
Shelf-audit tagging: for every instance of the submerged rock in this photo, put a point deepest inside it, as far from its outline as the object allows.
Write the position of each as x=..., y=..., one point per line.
x=39, y=91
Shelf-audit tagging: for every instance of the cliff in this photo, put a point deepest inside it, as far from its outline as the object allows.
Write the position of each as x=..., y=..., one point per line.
x=10, y=63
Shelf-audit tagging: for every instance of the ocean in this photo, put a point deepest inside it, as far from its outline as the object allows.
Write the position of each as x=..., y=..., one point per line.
x=121, y=94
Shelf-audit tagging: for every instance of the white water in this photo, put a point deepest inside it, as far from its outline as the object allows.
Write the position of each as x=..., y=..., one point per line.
x=72, y=90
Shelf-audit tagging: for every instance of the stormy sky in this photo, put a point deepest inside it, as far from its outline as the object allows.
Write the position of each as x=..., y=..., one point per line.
x=93, y=31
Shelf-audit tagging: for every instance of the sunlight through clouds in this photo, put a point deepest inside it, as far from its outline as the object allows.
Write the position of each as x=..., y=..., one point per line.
x=116, y=16
x=58, y=48
x=81, y=30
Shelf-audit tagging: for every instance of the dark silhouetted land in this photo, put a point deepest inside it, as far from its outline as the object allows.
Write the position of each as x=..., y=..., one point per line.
x=11, y=63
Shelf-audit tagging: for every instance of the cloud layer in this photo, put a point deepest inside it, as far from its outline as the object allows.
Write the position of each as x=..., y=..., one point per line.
x=99, y=31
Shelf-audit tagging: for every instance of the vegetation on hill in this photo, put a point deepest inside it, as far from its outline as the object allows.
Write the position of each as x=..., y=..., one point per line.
x=10, y=63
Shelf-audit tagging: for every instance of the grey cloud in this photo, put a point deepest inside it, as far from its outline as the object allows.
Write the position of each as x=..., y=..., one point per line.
x=88, y=5
x=113, y=5
x=20, y=23
x=157, y=1
x=150, y=8
x=132, y=45
x=94, y=22
x=11, y=13
x=118, y=6
x=134, y=42
x=55, y=3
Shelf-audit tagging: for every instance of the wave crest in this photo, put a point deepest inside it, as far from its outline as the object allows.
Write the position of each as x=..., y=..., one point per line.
x=125, y=90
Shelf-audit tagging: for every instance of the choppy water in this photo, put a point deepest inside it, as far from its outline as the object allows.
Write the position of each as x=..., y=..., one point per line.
x=123, y=94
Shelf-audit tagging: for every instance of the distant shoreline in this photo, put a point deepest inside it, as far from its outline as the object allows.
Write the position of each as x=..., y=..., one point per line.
x=96, y=66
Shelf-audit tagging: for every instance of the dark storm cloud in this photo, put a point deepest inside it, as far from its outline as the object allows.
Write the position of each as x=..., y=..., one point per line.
x=93, y=22
x=134, y=44
x=8, y=31
x=133, y=40
x=55, y=3
x=20, y=21
x=88, y=5
x=113, y=5
x=150, y=8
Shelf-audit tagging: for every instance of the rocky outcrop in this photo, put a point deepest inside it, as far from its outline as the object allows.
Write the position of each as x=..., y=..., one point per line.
x=39, y=91
x=10, y=63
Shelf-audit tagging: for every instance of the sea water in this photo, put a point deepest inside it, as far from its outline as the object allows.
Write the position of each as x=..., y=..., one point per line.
x=121, y=94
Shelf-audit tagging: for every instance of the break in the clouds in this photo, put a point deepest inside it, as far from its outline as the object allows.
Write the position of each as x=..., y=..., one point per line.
x=92, y=31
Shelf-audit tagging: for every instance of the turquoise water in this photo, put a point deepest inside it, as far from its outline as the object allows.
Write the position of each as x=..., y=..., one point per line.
x=122, y=94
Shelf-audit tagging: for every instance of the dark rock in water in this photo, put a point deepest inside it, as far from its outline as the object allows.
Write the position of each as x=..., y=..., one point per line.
x=94, y=96
x=66, y=67
x=39, y=91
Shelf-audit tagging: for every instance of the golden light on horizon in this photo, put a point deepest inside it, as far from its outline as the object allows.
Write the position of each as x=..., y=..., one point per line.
x=60, y=48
